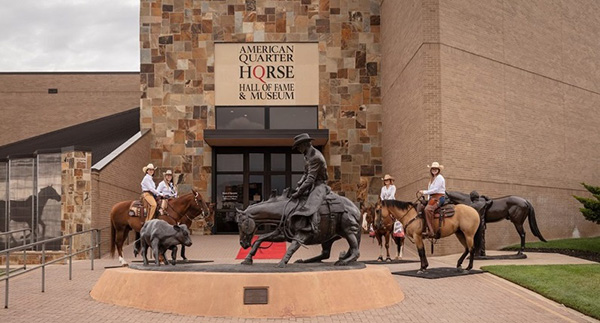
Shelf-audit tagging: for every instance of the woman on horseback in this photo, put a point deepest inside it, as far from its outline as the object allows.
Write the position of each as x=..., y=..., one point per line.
x=436, y=192
x=167, y=189
x=388, y=191
x=149, y=191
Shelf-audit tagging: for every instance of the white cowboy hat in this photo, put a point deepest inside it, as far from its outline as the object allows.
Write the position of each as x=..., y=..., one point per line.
x=147, y=167
x=168, y=172
x=436, y=165
x=387, y=176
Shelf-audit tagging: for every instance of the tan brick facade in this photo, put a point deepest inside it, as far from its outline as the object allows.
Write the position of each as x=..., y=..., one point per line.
x=504, y=94
x=29, y=110
x=177, y=44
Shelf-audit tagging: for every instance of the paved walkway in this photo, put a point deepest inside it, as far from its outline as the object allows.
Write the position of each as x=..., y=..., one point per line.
x=473, y=298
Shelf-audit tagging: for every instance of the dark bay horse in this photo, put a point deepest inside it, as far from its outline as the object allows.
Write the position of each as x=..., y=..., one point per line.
x=331, y=228
x=464, y=224
x=513, y=208
x=181, y=210
x=383, y=228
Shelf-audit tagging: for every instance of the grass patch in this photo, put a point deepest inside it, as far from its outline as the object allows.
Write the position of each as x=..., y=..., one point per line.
x=582, y=244
x=575, y=286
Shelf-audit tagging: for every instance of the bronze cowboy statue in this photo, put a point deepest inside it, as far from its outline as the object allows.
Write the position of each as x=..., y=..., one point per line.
x=311, y=215
x=313, y=184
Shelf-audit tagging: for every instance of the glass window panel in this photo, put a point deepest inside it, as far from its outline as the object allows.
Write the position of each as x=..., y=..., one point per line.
x=257, y=162
x=297, y=163
x=230, y=191
x=240, y=118
x=48, y=211
x=295, y=179
x=230, y=162
x=278, y=183
x=293, y=118
x=278, y=162
x=255, y=188
x=21, y=178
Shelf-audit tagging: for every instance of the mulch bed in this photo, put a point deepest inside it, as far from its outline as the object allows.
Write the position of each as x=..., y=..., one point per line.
x=588, y=255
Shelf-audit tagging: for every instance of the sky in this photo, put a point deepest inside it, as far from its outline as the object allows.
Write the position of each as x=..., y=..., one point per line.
x=69, y=35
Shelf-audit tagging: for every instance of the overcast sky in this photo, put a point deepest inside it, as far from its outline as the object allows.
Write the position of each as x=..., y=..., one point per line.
x=69, y=35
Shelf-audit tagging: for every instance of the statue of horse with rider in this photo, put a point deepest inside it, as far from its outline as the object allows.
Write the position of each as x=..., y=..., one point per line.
x=312, y=214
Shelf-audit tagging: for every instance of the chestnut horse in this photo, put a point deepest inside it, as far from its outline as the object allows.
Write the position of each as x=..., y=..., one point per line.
x=181, y=210
x=383, y=228
x=464, y=224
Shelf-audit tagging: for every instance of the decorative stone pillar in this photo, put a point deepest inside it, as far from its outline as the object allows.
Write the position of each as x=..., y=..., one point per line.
x=76, y=197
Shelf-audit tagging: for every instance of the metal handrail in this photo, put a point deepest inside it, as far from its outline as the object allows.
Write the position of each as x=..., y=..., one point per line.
x=95, y=243
x=15, y=231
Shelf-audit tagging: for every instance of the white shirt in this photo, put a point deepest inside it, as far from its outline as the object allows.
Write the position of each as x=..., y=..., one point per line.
x=438, y=186
x=148, y=185
x=388, y=193
x=167, y=190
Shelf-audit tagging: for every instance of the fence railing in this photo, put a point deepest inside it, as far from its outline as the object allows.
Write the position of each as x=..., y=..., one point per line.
x=95, y=246
x=10, y=237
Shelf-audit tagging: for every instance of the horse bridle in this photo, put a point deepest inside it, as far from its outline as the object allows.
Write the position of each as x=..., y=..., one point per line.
x=203, y=214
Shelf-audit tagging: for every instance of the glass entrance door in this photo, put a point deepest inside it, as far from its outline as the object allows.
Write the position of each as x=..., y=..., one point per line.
x=248, y=175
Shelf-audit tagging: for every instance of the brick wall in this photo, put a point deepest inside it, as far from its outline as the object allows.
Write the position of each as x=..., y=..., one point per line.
x=504, y=96
x=81, y=97
x=118, y=181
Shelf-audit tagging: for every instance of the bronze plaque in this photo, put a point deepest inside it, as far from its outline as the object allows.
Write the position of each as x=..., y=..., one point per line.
x=256, y=295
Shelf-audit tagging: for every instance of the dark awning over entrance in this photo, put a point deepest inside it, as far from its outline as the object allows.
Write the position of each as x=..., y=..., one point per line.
x=279, y=137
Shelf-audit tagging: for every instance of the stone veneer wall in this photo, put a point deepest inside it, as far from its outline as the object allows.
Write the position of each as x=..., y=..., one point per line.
x=504, y=94
x=76, y=197
x=177, y=79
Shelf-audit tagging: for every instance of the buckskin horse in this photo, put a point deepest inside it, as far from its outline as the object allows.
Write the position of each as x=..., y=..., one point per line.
x=464, y=224
x=181, y=210
x=333, y=226
x=383, y=227
x=512, y=207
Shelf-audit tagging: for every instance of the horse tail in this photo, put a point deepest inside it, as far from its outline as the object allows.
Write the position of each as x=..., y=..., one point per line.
x=113, y=236
x=532, y=223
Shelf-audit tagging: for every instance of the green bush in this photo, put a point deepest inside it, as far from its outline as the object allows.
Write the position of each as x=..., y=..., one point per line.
x=591, y=206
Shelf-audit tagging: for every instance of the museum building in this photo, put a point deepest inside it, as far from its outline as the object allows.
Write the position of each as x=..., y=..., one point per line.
x=503, y=94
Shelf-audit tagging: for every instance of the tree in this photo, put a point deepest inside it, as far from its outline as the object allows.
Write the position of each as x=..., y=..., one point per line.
x=591, y=206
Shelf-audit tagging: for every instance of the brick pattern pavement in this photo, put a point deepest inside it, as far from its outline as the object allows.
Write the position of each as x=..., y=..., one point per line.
x=475, y=298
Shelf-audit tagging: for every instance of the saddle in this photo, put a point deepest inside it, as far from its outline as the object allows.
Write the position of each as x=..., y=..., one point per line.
x=445, y=211
x=139, y=208
x=331, y=204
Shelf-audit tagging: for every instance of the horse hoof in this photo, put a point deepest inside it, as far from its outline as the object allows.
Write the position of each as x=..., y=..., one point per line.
x=185, y=260
x=388, y=259
x=421, y=271
x=281, y=265
x=380, y=259
x=299, y=261
x=340, y=263
x=247, y=262
x=460, y=270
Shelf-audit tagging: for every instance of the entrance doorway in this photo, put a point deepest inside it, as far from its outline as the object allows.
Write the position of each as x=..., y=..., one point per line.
x=247, y=175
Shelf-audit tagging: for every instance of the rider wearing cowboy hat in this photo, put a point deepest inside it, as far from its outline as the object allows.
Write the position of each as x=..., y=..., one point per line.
x=388, y=191
x=167, y=189
x=436, y=192
x=314, y=181
x=149, y=191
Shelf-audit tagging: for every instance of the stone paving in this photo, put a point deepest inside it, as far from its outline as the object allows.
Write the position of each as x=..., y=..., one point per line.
x=474, y=298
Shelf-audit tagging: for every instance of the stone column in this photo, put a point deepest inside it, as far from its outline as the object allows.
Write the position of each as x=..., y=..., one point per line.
x=76, y=197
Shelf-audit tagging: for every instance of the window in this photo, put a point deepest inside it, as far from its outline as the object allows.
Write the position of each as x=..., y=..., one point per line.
x=267, y=118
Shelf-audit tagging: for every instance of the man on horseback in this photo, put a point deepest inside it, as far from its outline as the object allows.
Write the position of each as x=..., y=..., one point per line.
x=149, y=192
x=436, y=192
x=313, y=183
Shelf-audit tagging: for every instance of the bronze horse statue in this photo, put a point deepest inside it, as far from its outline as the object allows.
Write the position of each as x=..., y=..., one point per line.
x=464, y=224
x=332, y=227
x=180, y=210
x=513, y=208
x=383, y=228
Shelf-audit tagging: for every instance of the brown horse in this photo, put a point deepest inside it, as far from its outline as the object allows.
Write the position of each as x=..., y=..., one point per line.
x=464, y=224
x=383, y=227
x=181, y=210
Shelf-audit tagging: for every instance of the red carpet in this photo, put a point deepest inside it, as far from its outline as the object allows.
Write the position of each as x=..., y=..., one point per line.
x=275, y=250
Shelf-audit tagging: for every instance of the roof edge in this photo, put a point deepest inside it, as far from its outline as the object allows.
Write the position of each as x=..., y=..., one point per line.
x=119, y=150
